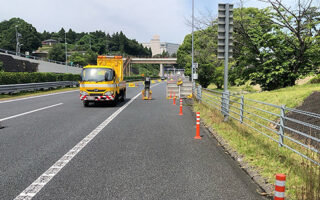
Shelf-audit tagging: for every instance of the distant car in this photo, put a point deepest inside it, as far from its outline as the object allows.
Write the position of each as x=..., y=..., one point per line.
x=163, y=78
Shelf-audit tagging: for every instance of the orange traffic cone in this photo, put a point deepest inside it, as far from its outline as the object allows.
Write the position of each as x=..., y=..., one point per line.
x=180, y=107
x=198, y=127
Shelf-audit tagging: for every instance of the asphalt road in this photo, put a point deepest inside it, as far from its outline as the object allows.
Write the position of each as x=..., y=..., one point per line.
x=146, y=151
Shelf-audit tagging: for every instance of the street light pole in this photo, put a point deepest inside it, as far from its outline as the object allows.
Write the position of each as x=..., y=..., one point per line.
x=17, y=40
x=192, y=53
x=65, y=42
x=90, y=40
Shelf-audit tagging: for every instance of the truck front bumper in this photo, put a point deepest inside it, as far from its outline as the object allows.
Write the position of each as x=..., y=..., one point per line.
x=96, y=98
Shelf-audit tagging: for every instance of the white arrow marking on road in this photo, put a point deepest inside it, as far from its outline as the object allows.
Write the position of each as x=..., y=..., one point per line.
x=32, y=111
x=40, y=182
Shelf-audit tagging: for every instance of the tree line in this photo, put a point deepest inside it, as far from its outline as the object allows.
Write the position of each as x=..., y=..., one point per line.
x=273, y=46
x=92, y=43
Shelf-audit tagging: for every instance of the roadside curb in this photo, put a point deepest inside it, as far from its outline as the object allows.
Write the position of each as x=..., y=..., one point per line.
x=266, y=187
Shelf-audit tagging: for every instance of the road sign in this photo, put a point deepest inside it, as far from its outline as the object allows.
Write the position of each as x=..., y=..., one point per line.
x=195, y=76
x=195, y=65
x=225, y=48
x=225, y=30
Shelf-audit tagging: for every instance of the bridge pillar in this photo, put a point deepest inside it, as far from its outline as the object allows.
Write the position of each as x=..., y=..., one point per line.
x=161, y=70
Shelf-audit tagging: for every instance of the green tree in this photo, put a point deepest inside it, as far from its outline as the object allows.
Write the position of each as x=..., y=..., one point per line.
x=205, y=54
x=45, y=35
x=30, y=39
x=71, y=36
x=57, y=53
x=78, y=59
x=275, y=46
x=91, y=57
x=254, y=34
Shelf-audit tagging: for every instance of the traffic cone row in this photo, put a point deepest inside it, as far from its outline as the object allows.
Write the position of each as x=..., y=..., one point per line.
x=181, y=113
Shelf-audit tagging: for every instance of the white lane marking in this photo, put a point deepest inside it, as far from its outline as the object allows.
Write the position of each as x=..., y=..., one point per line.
x=40, y=182
x=32, y=111
x=44, y=95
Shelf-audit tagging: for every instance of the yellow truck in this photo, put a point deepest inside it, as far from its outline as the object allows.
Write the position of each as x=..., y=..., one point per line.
x=103, y=82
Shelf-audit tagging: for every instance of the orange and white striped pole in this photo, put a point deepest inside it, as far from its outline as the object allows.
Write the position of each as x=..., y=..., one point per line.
x=180, y=107
x=170, y=94
x=198, y=126
x=280, y=187
x=174, y=100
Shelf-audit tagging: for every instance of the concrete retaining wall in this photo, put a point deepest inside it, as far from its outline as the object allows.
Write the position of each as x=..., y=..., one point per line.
x=44, y=66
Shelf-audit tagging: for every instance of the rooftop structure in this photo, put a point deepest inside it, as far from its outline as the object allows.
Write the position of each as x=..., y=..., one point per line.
x=158, y=47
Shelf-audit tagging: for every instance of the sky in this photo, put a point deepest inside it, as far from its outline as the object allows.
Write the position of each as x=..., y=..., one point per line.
x=137, y=19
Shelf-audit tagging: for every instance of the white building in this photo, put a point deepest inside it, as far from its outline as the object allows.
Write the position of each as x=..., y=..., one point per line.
x=158, y=47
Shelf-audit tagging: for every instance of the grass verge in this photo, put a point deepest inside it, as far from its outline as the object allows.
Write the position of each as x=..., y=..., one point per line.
x=265, y=155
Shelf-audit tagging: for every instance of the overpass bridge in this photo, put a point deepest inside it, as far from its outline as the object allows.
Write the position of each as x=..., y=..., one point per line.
x=160, y=61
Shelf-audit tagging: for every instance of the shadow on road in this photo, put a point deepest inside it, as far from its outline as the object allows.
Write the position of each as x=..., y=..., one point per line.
x=107, y=104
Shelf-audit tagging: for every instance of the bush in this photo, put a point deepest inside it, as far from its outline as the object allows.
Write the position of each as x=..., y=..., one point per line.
x=315, y=79
x=34, y=77
x=248, y=87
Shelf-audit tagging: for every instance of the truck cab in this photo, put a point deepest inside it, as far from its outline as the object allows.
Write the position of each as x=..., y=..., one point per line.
x=103, y=82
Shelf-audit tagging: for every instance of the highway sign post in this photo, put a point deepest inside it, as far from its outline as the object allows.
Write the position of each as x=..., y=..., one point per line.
x=225, y=29
x=195, y=74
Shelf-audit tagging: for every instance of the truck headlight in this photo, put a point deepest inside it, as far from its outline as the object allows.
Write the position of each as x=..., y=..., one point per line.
x=108, y=93
x=83, y=93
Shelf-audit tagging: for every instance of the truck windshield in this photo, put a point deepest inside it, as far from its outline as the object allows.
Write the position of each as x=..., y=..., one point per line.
x=97, y=74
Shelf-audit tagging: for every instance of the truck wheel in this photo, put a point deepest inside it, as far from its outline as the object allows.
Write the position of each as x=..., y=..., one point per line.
x=115, y=101
x=85, y=103
x=123, y=96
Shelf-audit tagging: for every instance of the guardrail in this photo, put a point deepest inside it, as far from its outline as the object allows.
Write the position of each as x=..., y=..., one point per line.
x=15, y=88
x=35, y=58
x=272, y=121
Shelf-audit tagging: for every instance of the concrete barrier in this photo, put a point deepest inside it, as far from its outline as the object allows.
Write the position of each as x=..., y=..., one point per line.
x=173, y=88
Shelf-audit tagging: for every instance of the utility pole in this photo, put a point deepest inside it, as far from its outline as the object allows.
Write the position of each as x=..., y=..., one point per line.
x=65, y=42
x=192, y=53
x=90, y=40
x=18, y=35
x=107, y=46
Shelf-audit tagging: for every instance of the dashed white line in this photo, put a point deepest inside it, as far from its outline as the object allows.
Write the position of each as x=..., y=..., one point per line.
x=44, y=95
x=32, y=111
x=38, y=184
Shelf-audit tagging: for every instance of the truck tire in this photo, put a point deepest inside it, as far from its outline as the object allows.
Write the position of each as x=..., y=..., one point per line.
x=115, y=101
x=85, y=103
x=123, y=96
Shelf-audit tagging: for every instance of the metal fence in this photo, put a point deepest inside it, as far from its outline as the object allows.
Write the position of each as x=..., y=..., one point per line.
x=15, y=88
x=291, y=128
x=35, y=58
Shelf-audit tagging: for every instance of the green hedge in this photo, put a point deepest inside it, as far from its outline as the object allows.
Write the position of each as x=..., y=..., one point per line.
x=34, y=77
x=315, y=79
